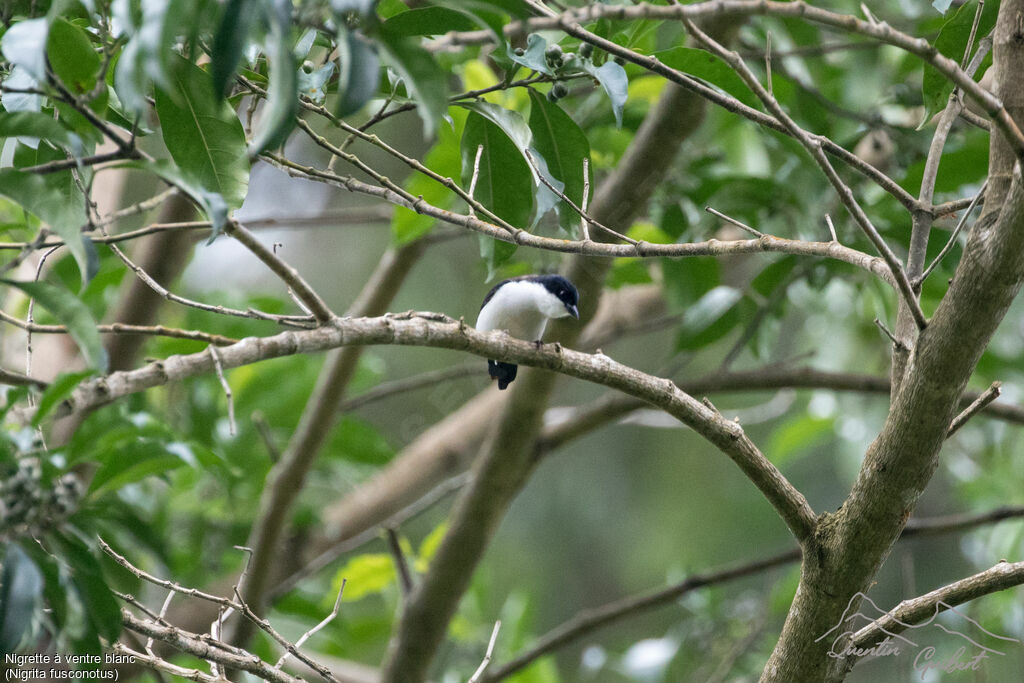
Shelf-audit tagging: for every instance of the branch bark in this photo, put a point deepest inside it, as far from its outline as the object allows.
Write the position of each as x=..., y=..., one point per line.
x=852, y=542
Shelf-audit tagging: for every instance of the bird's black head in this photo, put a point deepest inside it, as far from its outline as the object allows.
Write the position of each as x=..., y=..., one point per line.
x=564, y=290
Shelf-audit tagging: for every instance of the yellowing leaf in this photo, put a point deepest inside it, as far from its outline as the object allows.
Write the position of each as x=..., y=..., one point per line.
x=365, y=575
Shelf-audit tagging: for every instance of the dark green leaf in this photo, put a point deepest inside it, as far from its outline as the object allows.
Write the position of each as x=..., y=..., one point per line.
x=708, y=67
x=282, y=94
x=21, y=587
x=60, y=205
x=358, y=73
x=203, y=133
x=137, y=459
x=71, y=313
x=59, y=389
x=511, y=122
x=72, y=57
x=504, y=182
x=428, y=21
x=100, y=606
x=24, y=44
x=951, y=42
x=424, y=80
x=564, y=146
x=688, y=279
x=229, y=42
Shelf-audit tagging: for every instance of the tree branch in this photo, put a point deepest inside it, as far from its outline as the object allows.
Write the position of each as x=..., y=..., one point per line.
x=767, y=243
x=910, y=613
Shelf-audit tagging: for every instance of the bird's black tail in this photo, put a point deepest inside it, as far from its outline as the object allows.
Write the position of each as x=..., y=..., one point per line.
x=505, y=373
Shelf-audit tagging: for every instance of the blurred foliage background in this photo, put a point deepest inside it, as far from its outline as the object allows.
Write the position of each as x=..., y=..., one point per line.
x=632, y=506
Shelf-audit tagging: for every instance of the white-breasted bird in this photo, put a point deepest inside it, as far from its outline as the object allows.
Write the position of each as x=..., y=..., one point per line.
x=522, y=307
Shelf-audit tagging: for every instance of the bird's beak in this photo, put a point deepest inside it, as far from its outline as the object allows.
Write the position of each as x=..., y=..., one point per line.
x=573, y=311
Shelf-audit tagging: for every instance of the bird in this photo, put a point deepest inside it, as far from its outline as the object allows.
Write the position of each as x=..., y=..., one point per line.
x=522, y=306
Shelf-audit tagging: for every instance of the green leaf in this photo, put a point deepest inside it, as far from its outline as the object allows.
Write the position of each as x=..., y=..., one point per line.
x=21, y=588
x=40, y=126
x=511, y=122
x=59, y=205
x=799, y=434
x=564, y=146
x=709, y=319
x=951, y=42
x=24, y=44
x=59, y=389
x=365, y=575
x=612, y=78
x=428, y=21
x=710, y=68
x=100, y=606
x=136, y=459
x=533, y=56
x=517, y=130
x=429, y=546
x=212, y=203
x=71, y=313
x=358, y=72
x=424, y=80
x=282, y=95
x=203, y=133
x=73, y=57
x=504, y=182
x=230, y=41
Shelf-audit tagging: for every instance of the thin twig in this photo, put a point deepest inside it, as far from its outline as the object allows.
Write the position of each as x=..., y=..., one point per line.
x=974, y=32
x=288, y=275
x=768, y=63
x=123, y=328
x=831, y=227
x=733, y=221
x=583, y=214
x=584, y=227
x=160, y=618
x=232, y=427
x=888, y=333
x=476, y=176
x=401, y=566
x=308, y=634
x=952, y=238
x=487, y=655
x=989, y=395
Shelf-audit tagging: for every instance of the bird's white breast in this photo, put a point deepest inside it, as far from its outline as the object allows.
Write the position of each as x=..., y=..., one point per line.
x=521, y=308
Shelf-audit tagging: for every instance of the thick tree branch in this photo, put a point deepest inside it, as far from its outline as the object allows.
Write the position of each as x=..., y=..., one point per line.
x=854, y=541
